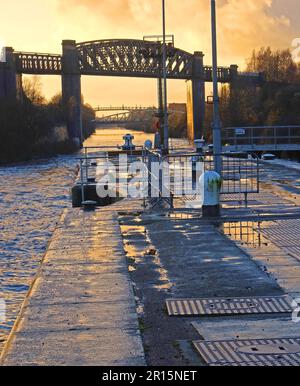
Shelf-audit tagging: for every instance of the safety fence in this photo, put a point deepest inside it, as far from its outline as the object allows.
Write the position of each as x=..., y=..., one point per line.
x=155, y=177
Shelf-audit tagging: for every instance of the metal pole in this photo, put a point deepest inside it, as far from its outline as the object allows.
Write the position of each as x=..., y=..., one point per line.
x=216, y=115
x=161, y=105
x=166, y=128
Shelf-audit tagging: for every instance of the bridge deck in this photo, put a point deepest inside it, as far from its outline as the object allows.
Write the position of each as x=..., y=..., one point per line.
x=127, y=58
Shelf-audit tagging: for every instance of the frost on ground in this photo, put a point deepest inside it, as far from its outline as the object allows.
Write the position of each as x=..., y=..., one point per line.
x=286, y=163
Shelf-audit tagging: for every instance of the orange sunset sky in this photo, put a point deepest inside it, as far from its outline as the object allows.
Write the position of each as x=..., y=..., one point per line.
x=41, y=25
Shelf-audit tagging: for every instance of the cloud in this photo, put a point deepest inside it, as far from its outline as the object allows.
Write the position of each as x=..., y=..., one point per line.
x=249, y=24
x=242, y=25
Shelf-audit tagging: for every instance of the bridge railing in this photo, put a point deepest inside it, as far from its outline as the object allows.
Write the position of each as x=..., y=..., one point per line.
x=272, y=137
x=36, y=63
x=224, y=74
x=125, y=108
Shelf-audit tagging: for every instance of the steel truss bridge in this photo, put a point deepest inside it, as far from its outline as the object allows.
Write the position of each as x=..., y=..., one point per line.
x=125, y=108
x=130, y=114
x=119, y=58
x=123, y=57
x=121, y=118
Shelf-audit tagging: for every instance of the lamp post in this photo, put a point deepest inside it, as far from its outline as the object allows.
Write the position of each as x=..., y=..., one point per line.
x=216, y=114
x=161, y=55
x=166, y=128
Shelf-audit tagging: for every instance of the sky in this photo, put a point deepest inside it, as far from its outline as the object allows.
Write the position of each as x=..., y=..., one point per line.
x=40, y=26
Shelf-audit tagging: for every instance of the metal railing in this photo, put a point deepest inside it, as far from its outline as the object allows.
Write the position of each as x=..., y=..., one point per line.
x=239, y=175
x=96, y=161
x=183, y=171
x=167, y=177
x=262, y=137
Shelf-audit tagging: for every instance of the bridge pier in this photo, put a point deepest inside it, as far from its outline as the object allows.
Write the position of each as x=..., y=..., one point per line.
x=71, y=91
x=196, y=99
x=10, y=81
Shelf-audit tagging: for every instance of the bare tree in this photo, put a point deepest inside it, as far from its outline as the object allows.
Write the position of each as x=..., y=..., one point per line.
x=32, y=88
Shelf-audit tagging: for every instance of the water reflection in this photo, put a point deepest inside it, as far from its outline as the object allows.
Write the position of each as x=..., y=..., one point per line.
x=139, y=249
x=247, y=233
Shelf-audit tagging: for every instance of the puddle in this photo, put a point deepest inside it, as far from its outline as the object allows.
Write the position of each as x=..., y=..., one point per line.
x=139, y=250
x=180, y=215
x=248, y=233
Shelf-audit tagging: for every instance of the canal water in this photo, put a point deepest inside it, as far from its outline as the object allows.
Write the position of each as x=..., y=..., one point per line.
x=32, y=198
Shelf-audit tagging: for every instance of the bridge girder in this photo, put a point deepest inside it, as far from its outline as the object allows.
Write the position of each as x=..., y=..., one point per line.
x=125, y=117
x=125, y=108
x=38, y=64
x=124, y=57
x=128, y=58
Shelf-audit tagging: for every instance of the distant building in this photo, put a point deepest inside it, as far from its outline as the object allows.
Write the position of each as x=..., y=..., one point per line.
x=178, y=107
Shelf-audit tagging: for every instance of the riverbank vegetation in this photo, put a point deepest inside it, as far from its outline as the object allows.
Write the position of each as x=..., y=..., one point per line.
x=275, y=102
x=148, y=122
x=34, y=127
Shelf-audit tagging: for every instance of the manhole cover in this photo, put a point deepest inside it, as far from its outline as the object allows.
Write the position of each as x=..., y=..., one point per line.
x=226, y=306
x=259, y=352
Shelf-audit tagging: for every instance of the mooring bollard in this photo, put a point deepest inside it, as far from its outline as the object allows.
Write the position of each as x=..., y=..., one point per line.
x=128, y=145
x=89, y=206
x=210, y=185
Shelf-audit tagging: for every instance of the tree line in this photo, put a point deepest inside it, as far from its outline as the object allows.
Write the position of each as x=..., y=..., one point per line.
x=27, y=125
x=274, y=102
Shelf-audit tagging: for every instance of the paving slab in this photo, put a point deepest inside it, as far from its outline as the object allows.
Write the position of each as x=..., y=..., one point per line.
x=247, y=327
x=81, y=308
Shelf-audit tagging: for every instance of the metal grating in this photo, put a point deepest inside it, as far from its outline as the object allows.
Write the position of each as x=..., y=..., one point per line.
x=285, y=234
x=254, y=352
x=233, y=306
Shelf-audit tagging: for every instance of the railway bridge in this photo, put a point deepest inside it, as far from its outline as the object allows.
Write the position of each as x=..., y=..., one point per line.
x=120, y=58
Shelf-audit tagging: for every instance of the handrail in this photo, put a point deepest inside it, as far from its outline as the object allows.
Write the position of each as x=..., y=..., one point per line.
x=240, y=175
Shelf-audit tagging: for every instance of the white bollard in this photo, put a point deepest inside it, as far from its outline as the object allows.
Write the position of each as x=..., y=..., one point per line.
x=210, y=185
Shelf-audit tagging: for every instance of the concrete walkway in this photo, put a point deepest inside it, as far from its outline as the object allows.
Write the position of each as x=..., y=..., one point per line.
x=81, y=308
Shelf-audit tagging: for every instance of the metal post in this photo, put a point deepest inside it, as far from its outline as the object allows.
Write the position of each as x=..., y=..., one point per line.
x=216, y=116
x=166, y=128
x=86, y=165
x=161, y=106
x=82, y=182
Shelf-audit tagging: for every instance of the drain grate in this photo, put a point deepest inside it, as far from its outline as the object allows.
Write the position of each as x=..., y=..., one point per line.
x=254, y=352
x=233, y=306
